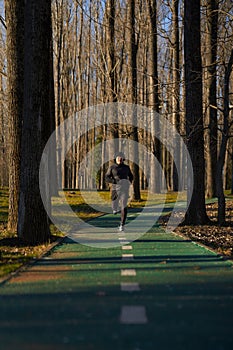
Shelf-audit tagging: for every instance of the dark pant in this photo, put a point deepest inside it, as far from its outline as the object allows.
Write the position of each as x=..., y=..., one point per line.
x=120, y=199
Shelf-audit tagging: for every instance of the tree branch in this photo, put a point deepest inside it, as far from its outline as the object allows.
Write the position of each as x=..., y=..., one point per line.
x=2, y=20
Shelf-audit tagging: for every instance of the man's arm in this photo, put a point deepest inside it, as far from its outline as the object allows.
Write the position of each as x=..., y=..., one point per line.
x=109, y=176
x=130, y=175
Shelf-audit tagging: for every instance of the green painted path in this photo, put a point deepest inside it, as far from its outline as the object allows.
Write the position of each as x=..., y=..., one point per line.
x=158, y=292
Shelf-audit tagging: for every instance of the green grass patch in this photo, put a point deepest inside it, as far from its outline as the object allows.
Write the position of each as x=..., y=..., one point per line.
x=14, y=253
x=78, y=201
x=3, y=205
x=99, y=199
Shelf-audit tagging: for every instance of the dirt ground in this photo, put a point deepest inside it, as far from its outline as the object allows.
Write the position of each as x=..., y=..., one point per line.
x=219, y=238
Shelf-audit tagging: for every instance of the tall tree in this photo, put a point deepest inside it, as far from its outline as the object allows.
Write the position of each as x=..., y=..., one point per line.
x=111, y=72
x=3, y=129
x=33, y=224
x=110, y=51
x=132, y=96
x=223, y=146
x=196, y=212
x=15, y=36
x=59, y=36
x=176, y=86
x=153, y=95
x=210, y=84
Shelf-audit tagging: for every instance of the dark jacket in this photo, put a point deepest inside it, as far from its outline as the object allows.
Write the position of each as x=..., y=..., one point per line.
x=117, y=172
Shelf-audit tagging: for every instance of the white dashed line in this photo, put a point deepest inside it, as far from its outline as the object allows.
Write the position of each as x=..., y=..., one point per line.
x=128, y=272
x=133, y=315
x=127, y=256
x=130, y=287
x=127, y=247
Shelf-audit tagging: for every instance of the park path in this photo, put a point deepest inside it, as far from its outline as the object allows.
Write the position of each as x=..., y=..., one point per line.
x=161, y=292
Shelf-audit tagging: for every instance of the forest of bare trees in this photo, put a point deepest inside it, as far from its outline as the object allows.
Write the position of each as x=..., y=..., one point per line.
x=173, y=57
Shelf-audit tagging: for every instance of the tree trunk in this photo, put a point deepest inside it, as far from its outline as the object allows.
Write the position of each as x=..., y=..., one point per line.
x=111, y=74
x=176, y=88
x=4, y=180
x=33, y=220
x=223, y=146
x=58, y=35
x=196, y=212
x=15, y=36
x=132, y=98
x=153, y=97
x=211, y=57
x=53, y=182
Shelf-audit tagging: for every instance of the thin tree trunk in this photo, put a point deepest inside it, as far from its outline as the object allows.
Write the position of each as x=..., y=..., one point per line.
x=111, y=74
x=4, y=179
x=53, y=182
x=58, y=116
x=211, y=57
x=176, y=89
x=132, y=98
x=153, y=97
x=223, y=146
x=15, y=37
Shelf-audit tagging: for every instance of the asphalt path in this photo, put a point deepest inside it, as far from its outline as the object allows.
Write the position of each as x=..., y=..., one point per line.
x=160, y=291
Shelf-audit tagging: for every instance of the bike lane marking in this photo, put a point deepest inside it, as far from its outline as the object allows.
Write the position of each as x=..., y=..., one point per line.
x=128, y=272
x=130, y=287
x=127, y=257
x=126, y=247
x=131, y=314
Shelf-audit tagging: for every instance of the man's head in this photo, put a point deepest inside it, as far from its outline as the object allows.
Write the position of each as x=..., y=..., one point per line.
x=120, y=157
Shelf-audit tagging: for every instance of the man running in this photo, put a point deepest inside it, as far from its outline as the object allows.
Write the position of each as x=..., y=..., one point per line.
x=120, y=176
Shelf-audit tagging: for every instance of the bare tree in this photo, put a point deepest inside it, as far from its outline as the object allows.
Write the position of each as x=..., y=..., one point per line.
x=33, y=226
x=132, y=96
x=58, y=32
x=176, y=86
x=223, y=146
x=15, y=36
x=211, y=91
x=153, y=95
x=196, y=212
x=4, y=181
x=95, y=65
x=111, y=72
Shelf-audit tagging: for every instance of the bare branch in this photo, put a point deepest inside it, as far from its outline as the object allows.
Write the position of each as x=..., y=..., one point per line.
x=2, y=73
x=2, y=20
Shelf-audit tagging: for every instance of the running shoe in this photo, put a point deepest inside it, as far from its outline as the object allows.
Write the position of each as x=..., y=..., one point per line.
x=121, y=228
